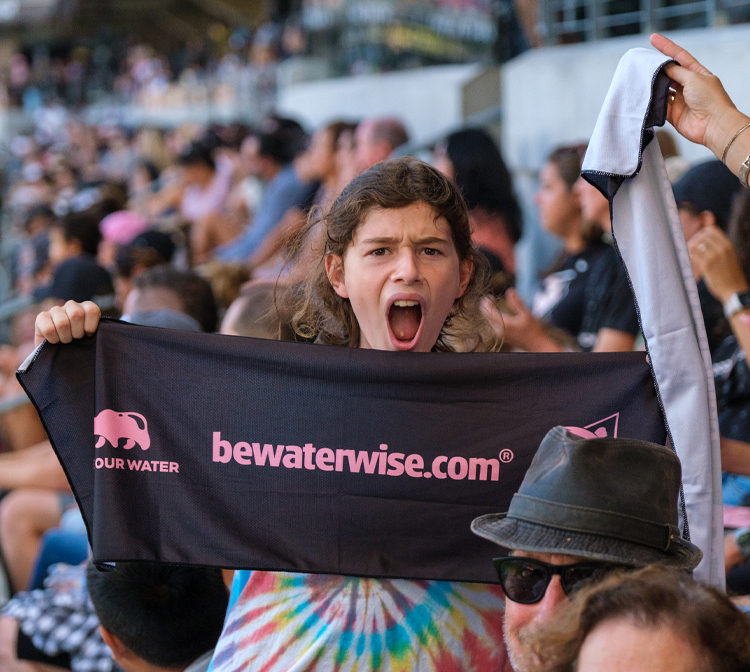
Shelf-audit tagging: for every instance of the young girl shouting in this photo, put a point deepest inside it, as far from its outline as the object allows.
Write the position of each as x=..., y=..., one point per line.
x=397, y=272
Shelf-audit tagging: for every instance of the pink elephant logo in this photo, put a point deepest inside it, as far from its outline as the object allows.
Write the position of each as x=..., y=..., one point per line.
x=112, y=426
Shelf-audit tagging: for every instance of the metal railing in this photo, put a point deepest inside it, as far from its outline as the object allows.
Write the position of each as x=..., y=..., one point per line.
x=570, y=21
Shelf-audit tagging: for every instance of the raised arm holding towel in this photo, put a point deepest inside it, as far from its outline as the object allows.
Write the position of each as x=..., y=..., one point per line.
x=702, y=112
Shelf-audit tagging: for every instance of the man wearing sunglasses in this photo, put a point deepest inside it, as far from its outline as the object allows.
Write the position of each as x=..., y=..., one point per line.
x=586, y=508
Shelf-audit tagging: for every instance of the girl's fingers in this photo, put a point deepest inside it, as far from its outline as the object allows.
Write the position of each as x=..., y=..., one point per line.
x=61, y=323
x=76, y=317
x=92, y=317
x=44, y=329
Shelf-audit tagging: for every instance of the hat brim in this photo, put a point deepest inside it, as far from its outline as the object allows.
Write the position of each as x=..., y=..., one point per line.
x=521, y=535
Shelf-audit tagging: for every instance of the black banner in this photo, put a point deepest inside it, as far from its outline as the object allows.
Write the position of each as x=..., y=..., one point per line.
x=244, y=453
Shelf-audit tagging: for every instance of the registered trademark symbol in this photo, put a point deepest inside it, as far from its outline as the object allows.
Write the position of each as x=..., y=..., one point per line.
x=506, y=455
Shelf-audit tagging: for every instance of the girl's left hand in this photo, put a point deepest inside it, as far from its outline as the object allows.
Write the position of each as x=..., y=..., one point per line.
x=715, y=260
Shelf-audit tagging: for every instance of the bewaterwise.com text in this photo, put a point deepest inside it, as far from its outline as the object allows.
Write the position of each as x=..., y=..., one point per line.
x=379, y=462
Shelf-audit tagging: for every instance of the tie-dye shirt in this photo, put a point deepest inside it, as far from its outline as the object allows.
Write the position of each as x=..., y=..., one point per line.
x=321, y=623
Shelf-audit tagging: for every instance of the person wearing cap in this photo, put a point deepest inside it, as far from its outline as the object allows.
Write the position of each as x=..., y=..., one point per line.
x=147, y=250
x=586, y=508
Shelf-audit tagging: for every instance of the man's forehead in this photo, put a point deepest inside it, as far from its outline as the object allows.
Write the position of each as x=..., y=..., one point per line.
x=550, y=558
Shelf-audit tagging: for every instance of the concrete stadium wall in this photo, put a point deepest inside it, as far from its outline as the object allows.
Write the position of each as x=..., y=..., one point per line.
x=428, y=100
x=552, y=96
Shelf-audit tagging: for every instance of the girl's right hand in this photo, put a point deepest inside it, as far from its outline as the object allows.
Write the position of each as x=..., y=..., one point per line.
x=62, y=324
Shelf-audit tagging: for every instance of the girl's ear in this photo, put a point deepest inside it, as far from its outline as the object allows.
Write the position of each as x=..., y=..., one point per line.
x=466, y=270
x=335, y=273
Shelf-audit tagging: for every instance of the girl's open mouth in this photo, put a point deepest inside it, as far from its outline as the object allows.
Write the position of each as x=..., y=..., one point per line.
x=405, y=320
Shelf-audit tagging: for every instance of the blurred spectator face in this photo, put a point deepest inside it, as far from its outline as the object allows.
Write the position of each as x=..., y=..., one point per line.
x=368, y=150
x=61, y=249
x=441, y=161
x=321, y=155
x=199, y=174
x=559, y=207
x=36, y=224
x=64, y=178
x=140, y=179
x=346, y=157
x=693, y=222
x=594, y=207
x=250, y=155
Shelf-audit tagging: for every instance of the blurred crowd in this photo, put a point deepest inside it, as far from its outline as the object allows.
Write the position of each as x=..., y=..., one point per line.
x=198, y=228
x=212, y=71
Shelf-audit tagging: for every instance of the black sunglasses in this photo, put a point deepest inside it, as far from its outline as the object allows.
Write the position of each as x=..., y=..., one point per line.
x=525, y=580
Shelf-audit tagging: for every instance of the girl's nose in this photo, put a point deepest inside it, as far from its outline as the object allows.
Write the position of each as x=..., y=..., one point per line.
x=407, y=267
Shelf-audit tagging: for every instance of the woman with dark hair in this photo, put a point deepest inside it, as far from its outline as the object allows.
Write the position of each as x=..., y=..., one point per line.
x=655, y=619
x=585, y=301
x=472, y=159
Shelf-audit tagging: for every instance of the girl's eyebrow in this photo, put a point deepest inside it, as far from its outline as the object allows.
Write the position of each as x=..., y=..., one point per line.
x=429, y=240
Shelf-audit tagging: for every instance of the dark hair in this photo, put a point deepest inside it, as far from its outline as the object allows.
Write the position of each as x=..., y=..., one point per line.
x=483, y=177
x=650, y=598
x=194, y=292
x=390, y=131
x=392, y=184
x=150, y=168
x=337, y=129
x=568, y=162
x=197, y=153
x=707, y=186
x=282, y=139
x=148, y=249
x=167, y=615
x=83, y=227
x=40, y=210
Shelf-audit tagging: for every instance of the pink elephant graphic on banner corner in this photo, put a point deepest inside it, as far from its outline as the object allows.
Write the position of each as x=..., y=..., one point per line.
x=112, y=426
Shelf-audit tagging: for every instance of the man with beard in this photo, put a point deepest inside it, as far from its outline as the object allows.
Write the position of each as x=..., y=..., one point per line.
x=586, y=508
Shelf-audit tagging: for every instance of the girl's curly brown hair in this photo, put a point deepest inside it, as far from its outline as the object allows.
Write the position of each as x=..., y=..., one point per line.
x=321, y=314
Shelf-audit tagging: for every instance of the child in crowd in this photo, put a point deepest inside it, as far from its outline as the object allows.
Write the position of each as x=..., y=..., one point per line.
x=396, y=272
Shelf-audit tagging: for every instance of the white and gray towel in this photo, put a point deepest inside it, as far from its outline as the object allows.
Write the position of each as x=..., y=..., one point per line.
x=623, y=160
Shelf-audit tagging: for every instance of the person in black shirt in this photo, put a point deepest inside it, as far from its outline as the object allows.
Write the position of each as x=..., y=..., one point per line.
x=586, y=296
